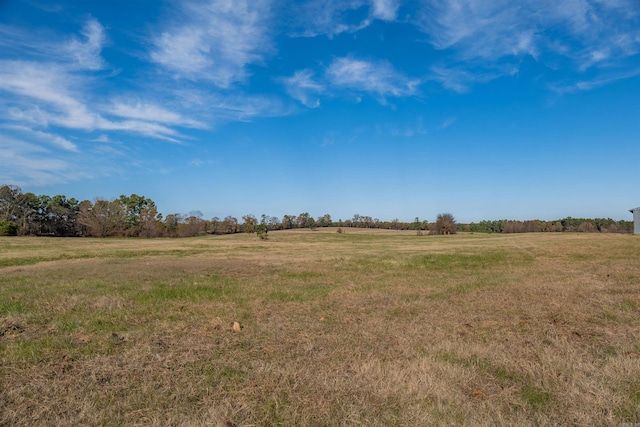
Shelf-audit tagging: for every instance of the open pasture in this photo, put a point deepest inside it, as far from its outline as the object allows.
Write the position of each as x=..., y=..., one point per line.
x=358, y=329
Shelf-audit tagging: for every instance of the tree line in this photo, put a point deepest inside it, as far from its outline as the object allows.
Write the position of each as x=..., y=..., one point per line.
x=137, y=216
x=568, y=224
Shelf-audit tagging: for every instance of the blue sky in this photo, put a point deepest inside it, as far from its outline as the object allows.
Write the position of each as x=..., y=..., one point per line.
x=388, y=108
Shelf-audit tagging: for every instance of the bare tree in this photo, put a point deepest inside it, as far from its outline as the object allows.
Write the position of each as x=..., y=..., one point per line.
x=230, y=225
x=102, y=218
x=587, y=227
x=150, y=222
x=192, y=226
x=445, y=224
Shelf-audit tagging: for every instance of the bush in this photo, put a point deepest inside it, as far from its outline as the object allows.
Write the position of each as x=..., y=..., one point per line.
x=8, y=228
x=262, y=231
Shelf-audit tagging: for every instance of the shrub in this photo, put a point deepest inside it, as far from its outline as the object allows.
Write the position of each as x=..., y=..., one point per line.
x=262, y=230
x=8, y=228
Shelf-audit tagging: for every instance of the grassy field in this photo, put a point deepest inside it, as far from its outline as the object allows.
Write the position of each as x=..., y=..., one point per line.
x=357, y=329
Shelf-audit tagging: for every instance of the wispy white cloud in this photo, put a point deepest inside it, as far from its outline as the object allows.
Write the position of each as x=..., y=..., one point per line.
x=385, y=10
x=50, y=138
x=215, y=41
x=110, y=147
x=348, y=74
x=487, y=35
x=406, y=130
x=244, y=107
x=83, y=52
x=334, y=17
x=86, y=53
x=103, y=138
x=185, y=52
x=460, y=80
x=51, y=96
x=135, y=109
x=487, y=30
x=325, y=17
x=211, y=108
x=150, y=129
x=379, y=78
x=447, y=122
x=302, y=87
x=29, y=164
x=23, y=42
x=50, y=87
x=202, y=162
x=589, y=84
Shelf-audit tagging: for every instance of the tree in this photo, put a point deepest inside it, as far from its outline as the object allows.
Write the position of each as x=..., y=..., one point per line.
x=16, y=207
x=416, y=225
x=150, y=222
x=10, y=202
x=288, y=221
x=230, y=225
x=445, y=224
x=103, y=218
x=302, y=220
x=133, y=206
x=61, y=215
x=249, y=224
x=171, y=223
x=587, y=227
x=192, y=226
x=274, y=223
x=310, y=223
x=324, y=221
x=214, y=224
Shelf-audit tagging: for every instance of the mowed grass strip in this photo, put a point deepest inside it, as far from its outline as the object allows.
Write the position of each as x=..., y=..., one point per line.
x=381, y=328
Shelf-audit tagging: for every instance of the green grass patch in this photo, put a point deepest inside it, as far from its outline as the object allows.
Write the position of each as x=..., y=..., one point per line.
x=31, y=260
x=40, y=350
x=628, y=306
x=536, y=397
x=19, y=261
x=462, y=262
x=582, y=257
x=191, y=293
x=11, y=307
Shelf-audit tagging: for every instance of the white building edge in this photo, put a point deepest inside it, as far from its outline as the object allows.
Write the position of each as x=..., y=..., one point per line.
x=636, y=220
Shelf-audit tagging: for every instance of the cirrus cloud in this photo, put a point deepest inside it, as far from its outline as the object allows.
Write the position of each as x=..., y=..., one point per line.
x=377, y=77
x=214, y=41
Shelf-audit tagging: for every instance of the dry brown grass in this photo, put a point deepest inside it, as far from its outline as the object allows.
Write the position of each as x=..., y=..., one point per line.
x=371, y=329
